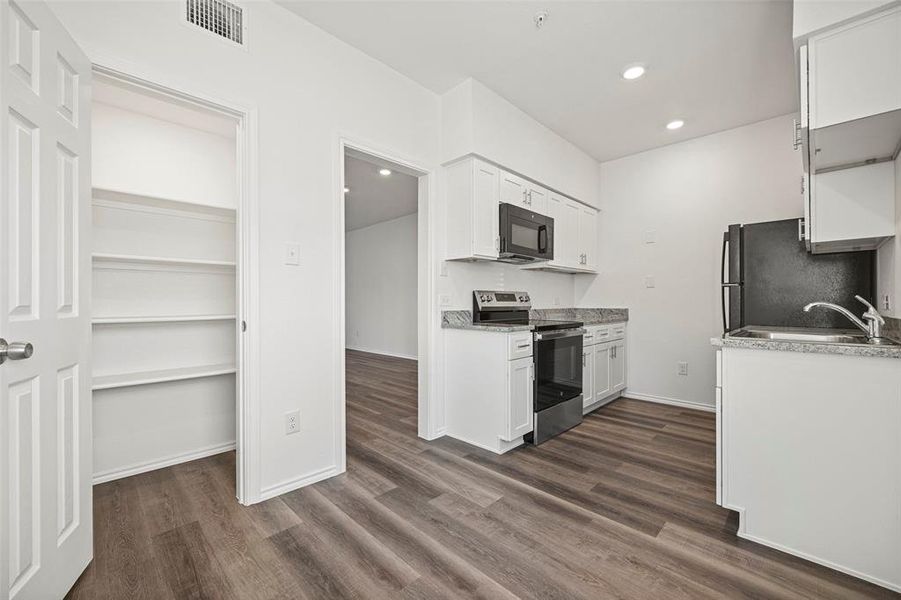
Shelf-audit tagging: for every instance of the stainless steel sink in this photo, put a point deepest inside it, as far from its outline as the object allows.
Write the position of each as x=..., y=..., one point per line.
x=800, y=334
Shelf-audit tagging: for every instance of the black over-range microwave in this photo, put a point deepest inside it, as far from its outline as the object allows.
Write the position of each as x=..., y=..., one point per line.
x=525, y=236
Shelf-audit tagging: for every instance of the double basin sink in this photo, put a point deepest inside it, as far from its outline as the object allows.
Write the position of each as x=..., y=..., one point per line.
x=807, y=335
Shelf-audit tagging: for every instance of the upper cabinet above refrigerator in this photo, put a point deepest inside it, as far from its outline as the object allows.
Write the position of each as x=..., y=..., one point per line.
x=850, y=79
x=850, y=129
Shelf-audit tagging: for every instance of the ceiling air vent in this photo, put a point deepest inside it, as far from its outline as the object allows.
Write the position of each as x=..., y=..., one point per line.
x=219, y=17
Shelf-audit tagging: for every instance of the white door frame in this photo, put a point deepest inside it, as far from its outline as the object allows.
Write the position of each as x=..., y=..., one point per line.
x=247, y=434
x=425, y=282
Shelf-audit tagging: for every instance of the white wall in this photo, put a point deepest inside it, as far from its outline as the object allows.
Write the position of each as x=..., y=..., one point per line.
x=688, y=193
x=139, y=154
x=380, y=269
x=306, y=87
x=475, y=120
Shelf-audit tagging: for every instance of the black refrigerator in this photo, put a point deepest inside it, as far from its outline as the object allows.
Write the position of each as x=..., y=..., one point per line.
x=768, y=276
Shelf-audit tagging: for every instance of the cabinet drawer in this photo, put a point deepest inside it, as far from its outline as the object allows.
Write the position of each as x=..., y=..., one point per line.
x=520, y=345
x=595, y=334
x=618, y=331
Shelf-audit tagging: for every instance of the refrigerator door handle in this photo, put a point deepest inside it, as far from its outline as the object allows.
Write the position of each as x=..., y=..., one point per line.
x=723, y=290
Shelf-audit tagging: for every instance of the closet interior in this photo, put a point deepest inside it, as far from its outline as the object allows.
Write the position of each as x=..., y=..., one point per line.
x=164, y=280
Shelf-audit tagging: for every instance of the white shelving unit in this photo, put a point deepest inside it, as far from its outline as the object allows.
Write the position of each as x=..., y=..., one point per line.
x=109, y=382
x=164, y=329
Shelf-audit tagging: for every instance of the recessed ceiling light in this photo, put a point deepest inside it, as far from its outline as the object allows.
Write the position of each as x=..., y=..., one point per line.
x=633, y=72
x=673, y=125
x=347, y=189
x=385, y=172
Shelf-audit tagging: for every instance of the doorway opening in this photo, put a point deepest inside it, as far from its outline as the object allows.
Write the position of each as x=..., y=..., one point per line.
x=166, y=254
x=383, y=260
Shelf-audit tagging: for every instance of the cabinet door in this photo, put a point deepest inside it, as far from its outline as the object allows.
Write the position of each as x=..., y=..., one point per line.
x=569, y=233
x=587, y=376
x=602, y=381
x=485, y=219
x=588, y=238
x=617, y=366
x=719, y=446
x=855, y=70
x=519, y=398
x=536, y=198
x=512, y=189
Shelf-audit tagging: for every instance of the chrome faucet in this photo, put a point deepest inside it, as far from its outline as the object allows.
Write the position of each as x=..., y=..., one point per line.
x=874, y=321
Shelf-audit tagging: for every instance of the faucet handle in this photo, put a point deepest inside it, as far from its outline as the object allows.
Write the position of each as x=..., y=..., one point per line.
x=871, y=313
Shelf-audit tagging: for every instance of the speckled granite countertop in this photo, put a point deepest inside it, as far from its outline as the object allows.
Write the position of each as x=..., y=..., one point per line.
x=462, y=319
x=808, y=347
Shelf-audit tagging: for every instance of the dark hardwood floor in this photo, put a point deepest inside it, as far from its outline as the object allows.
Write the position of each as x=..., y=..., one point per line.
x=620, y=507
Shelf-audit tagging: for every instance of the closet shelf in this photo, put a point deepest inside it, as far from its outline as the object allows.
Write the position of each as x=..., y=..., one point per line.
x=159, y=260
x=160, y=319
x=150, y=203
x=106, y=382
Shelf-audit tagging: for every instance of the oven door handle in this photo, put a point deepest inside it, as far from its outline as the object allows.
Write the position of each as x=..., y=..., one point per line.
x=556, y=335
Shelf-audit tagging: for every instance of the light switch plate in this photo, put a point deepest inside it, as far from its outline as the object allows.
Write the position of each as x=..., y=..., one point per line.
x=650, y=236
x=442, y=270
x=292, y=254
x=649, y=281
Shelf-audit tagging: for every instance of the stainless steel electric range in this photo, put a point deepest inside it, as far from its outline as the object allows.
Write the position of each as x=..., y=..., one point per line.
x=557, y=352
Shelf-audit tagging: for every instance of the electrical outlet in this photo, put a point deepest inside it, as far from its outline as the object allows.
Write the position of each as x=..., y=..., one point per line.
x=650, y=236
x=649, y=281
x=556, y=300
x=683, y=368
x=886, y=302
x=292, y=422
x=442, y=270
x=444, y=300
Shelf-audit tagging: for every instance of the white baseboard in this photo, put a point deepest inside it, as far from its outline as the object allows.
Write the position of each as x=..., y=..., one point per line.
x=168, y=461
x=382, y=352
x=820, y=561
x=671, y=401
x=290, y=485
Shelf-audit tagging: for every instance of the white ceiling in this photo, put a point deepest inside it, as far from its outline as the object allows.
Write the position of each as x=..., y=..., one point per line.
x=715, y=64
x=374, y=198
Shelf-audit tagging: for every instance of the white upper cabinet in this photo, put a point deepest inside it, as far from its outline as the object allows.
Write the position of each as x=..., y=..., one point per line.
x=472, y=210
x=513, y=189
x=850, y=130
x=855, y=70
x=537, y=198
x=851, y=93
x=588, y=238
x=852, y=209
x=475, y=189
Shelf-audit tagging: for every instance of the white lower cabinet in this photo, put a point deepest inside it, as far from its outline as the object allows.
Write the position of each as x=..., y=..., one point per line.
x=603, y=363
x=520, y=375
x=617, y=365
x=601, y=367
x=489, y=387
x=588, y=376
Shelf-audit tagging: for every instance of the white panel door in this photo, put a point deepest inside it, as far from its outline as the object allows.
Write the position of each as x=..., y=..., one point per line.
x=485, y=216
x=536, y=198
x=587, y=376
x=513, y=189
x=568, y=230
x=603, y=385
x=588, y=238
x=519, y=398
x=45, y=268
x=617, y=365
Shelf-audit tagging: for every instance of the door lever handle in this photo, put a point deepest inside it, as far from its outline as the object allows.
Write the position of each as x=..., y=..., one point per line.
x=15, y=350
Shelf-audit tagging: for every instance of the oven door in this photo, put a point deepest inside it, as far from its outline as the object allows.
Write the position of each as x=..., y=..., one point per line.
x=558, y=367
x=525, y=236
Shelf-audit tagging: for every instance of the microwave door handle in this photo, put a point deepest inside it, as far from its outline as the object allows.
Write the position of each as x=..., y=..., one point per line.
x=542, y=239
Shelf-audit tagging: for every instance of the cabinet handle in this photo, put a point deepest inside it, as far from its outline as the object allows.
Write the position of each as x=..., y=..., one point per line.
x=523, y=346
x=584, y=357
x=497, y=244
x=614, y=351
